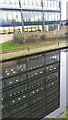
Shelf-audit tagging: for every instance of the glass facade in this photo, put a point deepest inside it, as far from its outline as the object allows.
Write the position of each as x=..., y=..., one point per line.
x=31, y=11
x=47, y=3
x=30, y=85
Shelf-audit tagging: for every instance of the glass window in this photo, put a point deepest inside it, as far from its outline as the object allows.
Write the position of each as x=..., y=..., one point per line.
x=0, y=14
x=40, y=16
x=49, y=16
x=45, y=3
x=32, y=16
x=57, y=4
x=1, y=1
x=46, y=16
x=16, y=2
x=19, y=17
x=52, y=19
x=22, y=2
x=14, y=15
x=54, y=16
x=53, y=3
x=48, y=3
x=26, y=2
x=24, y=16
x=29, y=16
x=38, y=3
x=58, y=16
x=12, y=2
x=7, y=1
x=36, y=16
x=9, y=15
x=4, y=15
x=34, y=2
x=30, y=2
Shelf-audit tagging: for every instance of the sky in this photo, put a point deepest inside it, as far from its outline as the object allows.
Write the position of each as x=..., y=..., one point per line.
x=63, y=13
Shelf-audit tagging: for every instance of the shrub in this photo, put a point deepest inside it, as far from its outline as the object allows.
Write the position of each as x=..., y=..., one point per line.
x=42, y=36
x=18, y=38
x=31, y=38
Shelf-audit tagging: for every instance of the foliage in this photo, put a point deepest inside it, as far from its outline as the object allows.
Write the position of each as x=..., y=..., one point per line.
x=32, y=38
x=18, y=38
x=42, y=36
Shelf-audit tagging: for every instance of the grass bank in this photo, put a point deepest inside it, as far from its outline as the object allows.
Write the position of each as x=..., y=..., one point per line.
x=9, y=46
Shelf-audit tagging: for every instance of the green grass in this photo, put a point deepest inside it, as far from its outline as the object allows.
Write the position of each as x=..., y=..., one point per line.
x=10, y=50
x=10, y=46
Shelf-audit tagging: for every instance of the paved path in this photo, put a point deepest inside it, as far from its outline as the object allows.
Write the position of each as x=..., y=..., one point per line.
x=6, y=37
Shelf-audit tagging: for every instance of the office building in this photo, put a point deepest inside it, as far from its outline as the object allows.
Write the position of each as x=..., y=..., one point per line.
x=30, y=15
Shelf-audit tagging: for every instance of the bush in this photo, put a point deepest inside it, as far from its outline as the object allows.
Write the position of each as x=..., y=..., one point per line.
x=32, y=38
x=42, y=36
x=18, y=38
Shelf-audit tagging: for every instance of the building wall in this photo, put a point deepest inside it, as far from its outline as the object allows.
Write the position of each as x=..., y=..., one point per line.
x=32, y=11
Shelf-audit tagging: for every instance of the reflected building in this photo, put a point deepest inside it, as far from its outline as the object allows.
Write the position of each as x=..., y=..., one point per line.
x=34, y=14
